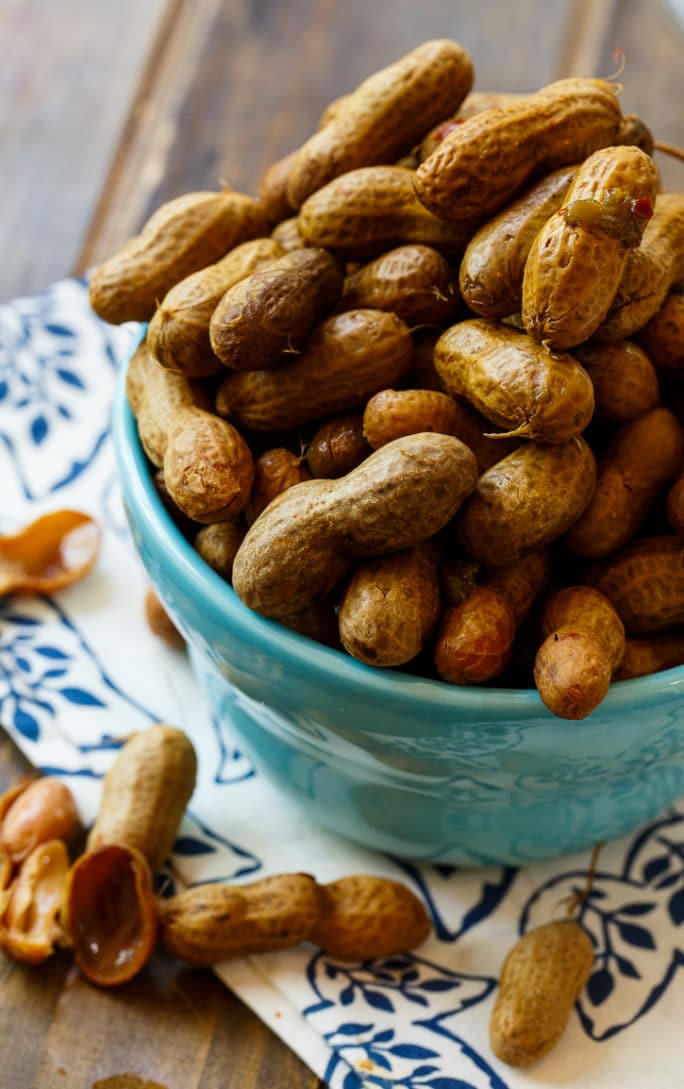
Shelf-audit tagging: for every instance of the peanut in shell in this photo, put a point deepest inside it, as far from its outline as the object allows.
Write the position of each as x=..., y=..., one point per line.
x=384, y=117
x=540, y=982
x=210, y=923
x=477, y=168
x=182, y=236
x=145, y=793
x=413, y=282
x=662, y=338
x=270, y=312
x=526, y=501
x=373, y=209
x=514, y=382
x=365, y=917
x=178, y=336
x=644, y=454
x=624, y=379
x=645, y=583
x=493, y=265
x=346, y=359
x=649, y=273
x=576, y=262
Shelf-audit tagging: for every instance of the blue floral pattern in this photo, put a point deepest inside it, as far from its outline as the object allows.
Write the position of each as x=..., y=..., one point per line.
x=79, y=673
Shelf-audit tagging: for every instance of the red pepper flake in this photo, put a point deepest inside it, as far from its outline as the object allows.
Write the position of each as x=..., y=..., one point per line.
x=643, y=208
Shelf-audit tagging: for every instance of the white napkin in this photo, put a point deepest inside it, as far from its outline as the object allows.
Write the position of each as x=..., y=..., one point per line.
x=80, y=671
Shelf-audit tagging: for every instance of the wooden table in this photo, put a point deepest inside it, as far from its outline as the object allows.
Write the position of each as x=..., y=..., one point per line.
x=108, y=109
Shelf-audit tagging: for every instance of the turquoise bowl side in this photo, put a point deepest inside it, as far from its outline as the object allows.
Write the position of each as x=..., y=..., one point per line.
x=413, y=767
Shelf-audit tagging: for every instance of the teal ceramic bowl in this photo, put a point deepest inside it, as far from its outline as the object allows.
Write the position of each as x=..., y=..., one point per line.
x=413, y=767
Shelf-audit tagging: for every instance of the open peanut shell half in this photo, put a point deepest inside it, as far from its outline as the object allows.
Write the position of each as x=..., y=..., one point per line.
x=49, y=554
x=110, y=914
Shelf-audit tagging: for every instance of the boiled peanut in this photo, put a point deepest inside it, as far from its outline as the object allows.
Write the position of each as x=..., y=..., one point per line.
x=413, y=282
x=209, y=923
x=365, y=917
x=159, y=621
x=370, y=210
x=583, y=646
x=662, y=338
x=208, y=466
x=178, y=336
x=492, y=268
x=474, y=103
x=40, y=811
x=273, y=190
x=145, y=793
x=390, y=605
x=645, y=583
x=288, y=235
x=182, y=236
x=675, y=505
x=338, y=446
x=514, y=382
x=650, y=654
x=480, y=164
x=304, y=542
x=575, y=264
x=384, y=117
x=346, y=359
x=270, y=312
x=642, y=457
x=540, y=982
x=526, y=500
x=649, y=273
x=624, y=379
x=474, y=639
x=218, y=545
x=276, y=470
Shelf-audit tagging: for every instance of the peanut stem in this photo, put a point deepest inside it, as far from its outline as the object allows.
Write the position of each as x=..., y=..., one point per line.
x=669, y=149
x=577, y=898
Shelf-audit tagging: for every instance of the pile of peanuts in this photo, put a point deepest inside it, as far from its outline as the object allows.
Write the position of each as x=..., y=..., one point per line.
x=409, y=399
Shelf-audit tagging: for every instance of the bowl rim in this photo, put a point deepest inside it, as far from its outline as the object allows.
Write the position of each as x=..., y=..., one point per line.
x=220, y=600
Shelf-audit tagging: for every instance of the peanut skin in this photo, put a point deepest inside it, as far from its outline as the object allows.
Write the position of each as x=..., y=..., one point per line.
x=514, y=382
x=345, y=360
x=178, y=336
x=576, y=262
x=390, y=606
x=540, y=982
x=585, y=641
x=305, y=541
x=480, y=164
x=182, y=236
x=642, y=457
x=384, y=117
x=365, y=917
x=526, y=500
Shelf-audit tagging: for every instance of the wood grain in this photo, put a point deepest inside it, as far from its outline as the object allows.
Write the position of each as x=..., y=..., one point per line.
x=68, y=72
